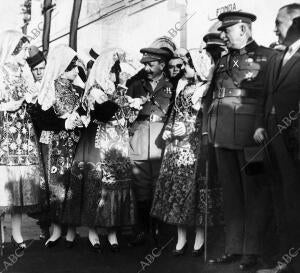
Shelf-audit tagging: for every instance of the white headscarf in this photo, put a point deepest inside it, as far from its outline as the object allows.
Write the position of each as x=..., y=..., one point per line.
x=100, y=73
x=203, y=64
x=58, y=60
x=204, y=67
x=9, y=39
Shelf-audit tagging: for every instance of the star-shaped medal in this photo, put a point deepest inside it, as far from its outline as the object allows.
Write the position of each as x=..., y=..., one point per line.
x=249, y=75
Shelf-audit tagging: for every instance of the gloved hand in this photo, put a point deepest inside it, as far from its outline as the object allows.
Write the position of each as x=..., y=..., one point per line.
x=260, y=135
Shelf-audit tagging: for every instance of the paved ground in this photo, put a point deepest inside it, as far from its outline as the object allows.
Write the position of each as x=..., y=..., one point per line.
x=80, y=259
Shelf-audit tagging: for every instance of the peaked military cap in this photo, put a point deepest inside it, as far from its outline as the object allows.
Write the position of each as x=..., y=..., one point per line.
x=234, y=17
x=151, y=54
x=213, y=38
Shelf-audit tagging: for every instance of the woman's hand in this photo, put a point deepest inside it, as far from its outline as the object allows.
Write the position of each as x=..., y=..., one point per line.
x=73, y=121
x=179, y=129
x=70, y=124
x=30, y=97
x=166, y=135
x=77, y=119
x=98, y=95
x=135, y=103
x=79, y=122
x=85, y=120
x=11, y=106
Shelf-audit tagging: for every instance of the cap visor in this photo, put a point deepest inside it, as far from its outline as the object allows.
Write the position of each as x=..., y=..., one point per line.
x=215, y=43
x=147, y=59
x=225, y=25
x=214, y=47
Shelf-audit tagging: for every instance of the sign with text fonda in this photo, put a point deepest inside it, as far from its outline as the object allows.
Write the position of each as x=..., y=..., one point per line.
x=220, y=9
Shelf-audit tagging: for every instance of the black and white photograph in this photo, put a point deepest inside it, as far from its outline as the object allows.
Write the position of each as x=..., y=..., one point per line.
x=149, y=136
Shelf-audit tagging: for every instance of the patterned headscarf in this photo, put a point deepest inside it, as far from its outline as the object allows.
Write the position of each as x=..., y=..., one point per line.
x=58, y=60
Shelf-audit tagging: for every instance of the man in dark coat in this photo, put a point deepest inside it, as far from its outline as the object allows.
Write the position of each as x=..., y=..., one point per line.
x=37, y=62
x=278, y=125
x=152, y=91
x=215, y=46
x=229, y=116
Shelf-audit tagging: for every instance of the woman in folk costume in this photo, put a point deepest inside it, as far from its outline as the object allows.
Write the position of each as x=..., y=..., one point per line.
x=102, y=159
x=176, y=198
x=19, y=158
x=59, y=120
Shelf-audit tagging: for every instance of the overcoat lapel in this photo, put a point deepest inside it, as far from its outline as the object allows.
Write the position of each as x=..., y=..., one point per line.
x=287, y=67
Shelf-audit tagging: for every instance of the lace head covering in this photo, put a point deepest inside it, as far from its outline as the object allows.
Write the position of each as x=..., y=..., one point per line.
x=58, y=60
x=202, y=62
x=100, y=77
x=204, y=67
x=9, y=41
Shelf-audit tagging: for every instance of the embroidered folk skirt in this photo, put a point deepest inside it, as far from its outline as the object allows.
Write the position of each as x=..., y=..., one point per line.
x=102, y=170
x=19, y=163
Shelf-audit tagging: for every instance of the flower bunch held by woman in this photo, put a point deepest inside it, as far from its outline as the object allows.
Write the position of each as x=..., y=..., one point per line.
x=59, y=101
x=102, y=159
x=176, y=199
x=19, y=161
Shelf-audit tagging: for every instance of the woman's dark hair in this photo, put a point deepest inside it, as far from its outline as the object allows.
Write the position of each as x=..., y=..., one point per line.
x=116, y=69
x=82, y=74
x=190, y=61
x=90, y=64
x=19, y=46
x=72, y=64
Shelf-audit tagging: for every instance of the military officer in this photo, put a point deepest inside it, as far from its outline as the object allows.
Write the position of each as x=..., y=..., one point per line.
x=230, y=107
x=215, y=46
x=153, y=92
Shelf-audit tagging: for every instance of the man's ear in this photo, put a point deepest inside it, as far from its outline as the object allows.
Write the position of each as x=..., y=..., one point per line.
x=243, y=30
x=162, y=64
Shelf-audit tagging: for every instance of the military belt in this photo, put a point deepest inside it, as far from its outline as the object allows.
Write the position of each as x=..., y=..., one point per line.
x=234, y=92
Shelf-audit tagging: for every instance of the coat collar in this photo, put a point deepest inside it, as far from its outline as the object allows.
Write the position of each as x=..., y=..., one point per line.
x=287, y=67
x=251, y=46
x=163, y=82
